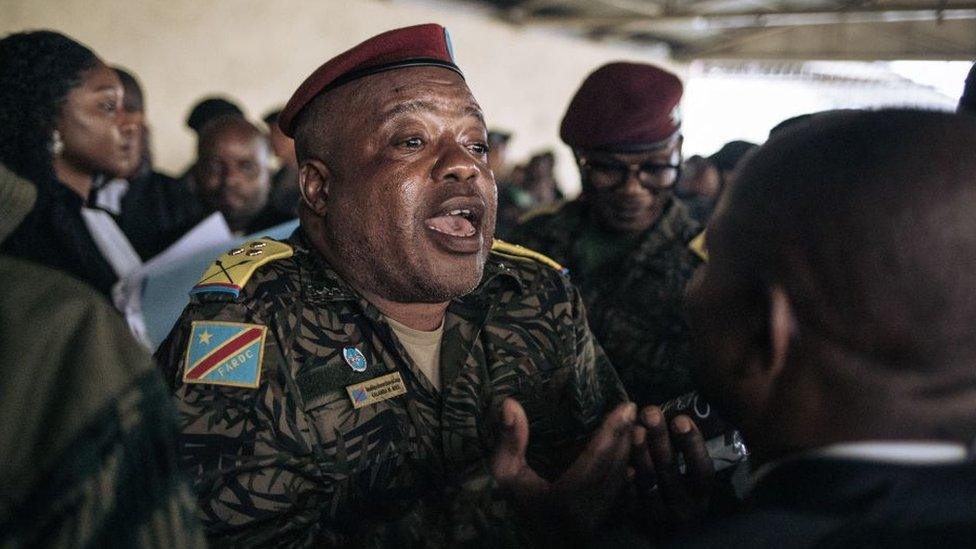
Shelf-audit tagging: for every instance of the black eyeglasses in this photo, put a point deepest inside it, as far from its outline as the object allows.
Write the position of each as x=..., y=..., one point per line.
x=607, y=174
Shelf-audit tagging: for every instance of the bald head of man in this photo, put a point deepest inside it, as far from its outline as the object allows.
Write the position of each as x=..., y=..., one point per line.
x=838, y=303
x=232, y=172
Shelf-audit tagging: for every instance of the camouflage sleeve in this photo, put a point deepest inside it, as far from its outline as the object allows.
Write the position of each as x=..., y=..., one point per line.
x=595, y=374
x=255, y=467
x=567, y=401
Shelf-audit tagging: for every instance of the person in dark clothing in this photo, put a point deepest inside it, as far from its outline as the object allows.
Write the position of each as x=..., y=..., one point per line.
x=155, y=209
x=233, y=176
x=835, y=318
x=62, y=125
x=699, y=187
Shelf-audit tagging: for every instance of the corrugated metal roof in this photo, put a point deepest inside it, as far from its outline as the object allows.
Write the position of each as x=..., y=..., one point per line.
x=764, y=29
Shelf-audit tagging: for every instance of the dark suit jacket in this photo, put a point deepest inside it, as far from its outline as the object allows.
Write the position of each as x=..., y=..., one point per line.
x=828, y=502
x=156, y=211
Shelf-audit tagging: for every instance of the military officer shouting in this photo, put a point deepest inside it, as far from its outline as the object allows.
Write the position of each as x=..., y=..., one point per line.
x=344, y=387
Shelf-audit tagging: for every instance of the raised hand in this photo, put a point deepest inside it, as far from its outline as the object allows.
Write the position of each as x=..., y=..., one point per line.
x=580, y=499
x=675, y=499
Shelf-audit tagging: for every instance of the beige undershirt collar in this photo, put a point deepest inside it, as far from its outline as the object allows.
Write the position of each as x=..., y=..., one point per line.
x=423, y=347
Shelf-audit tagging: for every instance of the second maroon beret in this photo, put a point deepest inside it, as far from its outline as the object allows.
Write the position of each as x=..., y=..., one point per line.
x=623, y=107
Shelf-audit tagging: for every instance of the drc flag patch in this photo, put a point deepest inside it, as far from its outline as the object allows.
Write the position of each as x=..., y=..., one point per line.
x=225, y=353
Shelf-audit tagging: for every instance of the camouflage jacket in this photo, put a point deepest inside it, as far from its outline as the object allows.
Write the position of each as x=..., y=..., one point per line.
x=292, y=462
x=634, y=307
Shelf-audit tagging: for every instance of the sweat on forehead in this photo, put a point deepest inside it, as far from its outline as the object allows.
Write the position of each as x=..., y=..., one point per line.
x=866, y=219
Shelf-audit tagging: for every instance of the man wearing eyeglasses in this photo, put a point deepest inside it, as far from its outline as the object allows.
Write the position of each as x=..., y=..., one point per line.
x=626, y=239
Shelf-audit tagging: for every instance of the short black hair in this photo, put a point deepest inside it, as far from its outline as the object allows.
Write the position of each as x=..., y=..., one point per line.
x=865, y=219
x=272, y=117
x=967, y=103
x=209, y=108
x=790, y=123
x=729, y=156
x=228, y=123
x=37, y=70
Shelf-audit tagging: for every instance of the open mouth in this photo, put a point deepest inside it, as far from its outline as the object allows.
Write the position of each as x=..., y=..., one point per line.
x=458, y=222
x=457, y=219
x=456, y=225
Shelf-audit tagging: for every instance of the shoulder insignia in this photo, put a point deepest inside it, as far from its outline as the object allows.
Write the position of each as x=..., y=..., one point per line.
x=225, y=353
x=503, y=248
x=231, y=271
x=697, y=246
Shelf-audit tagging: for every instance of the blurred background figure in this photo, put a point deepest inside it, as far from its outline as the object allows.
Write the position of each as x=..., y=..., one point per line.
x=88, y=435
x=232, y=174
x=152, y=208
x=540, y=180
x=727, y=159
x=285, y=194
x=208, y=109
x=63, y=127
x=699, y=187
x=703, y=179
x=513, y=200
x=498, y=153
x=204, y=111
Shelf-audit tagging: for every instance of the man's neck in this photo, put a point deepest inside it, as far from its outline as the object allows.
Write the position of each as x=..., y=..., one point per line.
x=426, y=317
x=419, y=316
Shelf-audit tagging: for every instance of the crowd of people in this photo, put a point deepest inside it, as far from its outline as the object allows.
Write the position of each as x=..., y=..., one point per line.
x=448, y=352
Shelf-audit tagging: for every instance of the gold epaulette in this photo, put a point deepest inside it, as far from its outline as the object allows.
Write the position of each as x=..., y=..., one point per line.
x=501, y=247
x=231, y=271
x=697, y=245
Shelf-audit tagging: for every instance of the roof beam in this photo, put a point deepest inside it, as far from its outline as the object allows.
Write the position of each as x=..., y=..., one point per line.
x=766, y=19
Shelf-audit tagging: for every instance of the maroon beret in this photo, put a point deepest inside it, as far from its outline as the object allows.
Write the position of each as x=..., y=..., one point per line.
x=623, y=107
x=420, y=45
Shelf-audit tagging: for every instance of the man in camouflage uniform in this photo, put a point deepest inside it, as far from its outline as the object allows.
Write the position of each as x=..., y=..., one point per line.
x=309, y=418
x=88, y=436
x=625, y=240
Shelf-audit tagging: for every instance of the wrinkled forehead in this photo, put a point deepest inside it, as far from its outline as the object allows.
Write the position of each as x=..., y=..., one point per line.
x=414, y=90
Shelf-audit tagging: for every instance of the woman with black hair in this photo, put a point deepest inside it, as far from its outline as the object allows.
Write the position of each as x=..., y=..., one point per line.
x=62, y=127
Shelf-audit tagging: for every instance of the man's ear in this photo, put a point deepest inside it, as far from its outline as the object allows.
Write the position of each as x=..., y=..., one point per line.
x=782, y=328
x=314, y=180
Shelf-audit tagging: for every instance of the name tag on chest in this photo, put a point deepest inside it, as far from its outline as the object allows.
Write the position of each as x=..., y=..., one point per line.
x=376, y=390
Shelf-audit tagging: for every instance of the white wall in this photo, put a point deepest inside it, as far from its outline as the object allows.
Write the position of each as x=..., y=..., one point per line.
x=258, y=51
